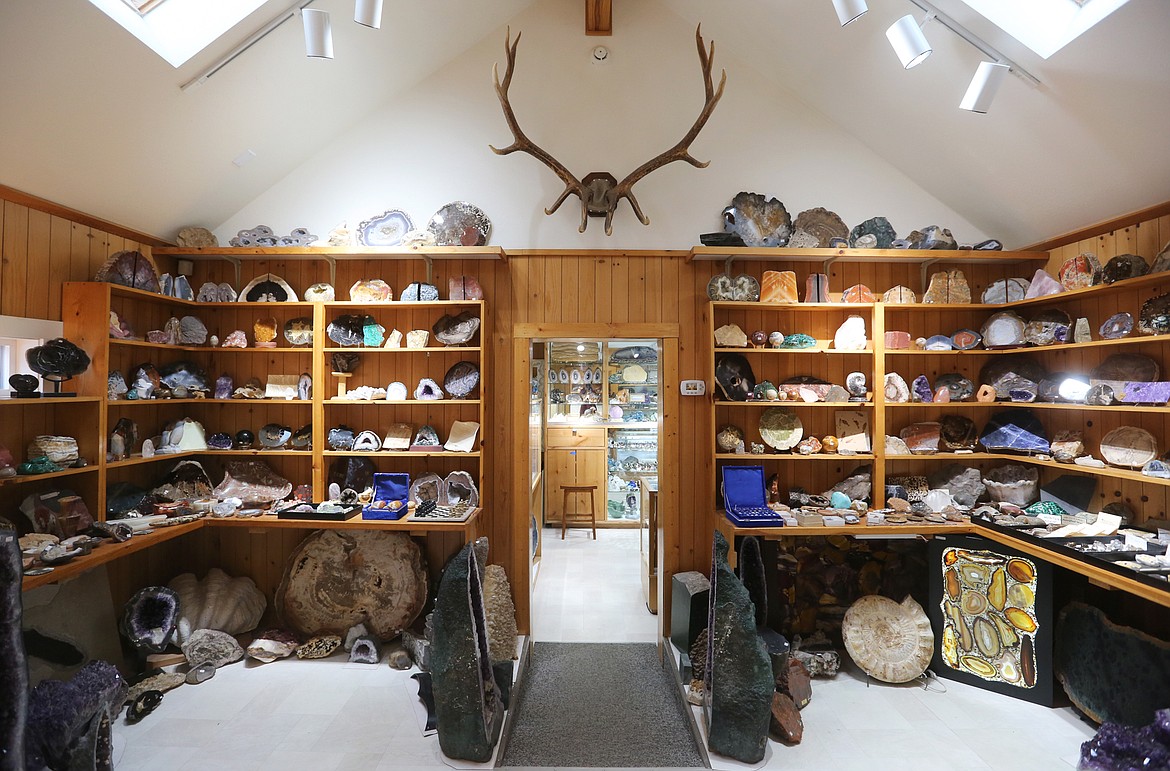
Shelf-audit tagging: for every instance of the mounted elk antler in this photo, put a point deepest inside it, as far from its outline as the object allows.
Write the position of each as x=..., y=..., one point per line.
x=600, y=192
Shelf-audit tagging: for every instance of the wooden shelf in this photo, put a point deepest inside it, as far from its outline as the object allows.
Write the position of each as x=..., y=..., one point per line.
x=799, y=405
x=221, y=402
x=109, y=551
x=1107, y=471
x=414, y=527
x=428, y=349
x=806, y=307
x=1125, y=341
x=50, y=401
x=823, y=456
x=822, y=346
x=277, y=253
x=407, y=402
x=904, y=256
x=27, y=478
x=206, y=348
x=138, y=459
x=117, y=290
x=1137, y=408
x=863, y=528
x=400, y=454
x=400, y=304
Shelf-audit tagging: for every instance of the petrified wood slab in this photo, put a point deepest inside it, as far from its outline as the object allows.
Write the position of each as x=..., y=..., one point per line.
x=335, y=580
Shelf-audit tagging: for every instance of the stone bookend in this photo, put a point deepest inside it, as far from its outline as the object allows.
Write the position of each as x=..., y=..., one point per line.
x=467, y=700
x=739, y=681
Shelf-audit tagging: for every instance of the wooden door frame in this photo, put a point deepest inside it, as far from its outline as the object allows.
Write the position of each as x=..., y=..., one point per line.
x=668, y=534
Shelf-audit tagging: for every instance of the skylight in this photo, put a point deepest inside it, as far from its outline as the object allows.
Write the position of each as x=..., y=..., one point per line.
x=176, y=30
x=1045, y=26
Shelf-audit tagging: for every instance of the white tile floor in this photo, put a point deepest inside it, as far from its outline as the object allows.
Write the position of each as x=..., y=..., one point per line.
x=318, y=715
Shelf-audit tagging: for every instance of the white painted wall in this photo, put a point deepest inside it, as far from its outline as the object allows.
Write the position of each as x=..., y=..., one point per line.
x=431, y=145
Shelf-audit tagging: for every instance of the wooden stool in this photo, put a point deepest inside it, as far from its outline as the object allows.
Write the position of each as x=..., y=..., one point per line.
x=568, y=490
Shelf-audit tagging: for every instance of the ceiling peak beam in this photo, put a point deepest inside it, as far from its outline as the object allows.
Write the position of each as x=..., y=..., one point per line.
x=599, y=17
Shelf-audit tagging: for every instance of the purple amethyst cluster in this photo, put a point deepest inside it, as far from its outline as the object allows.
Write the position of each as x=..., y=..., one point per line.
x=1123, y=748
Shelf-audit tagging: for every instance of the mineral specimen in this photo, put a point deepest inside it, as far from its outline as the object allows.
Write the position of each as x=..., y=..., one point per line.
x=419, y=292
x=921, y=438
x=1124, y=266
x=232, y=605
x=850, y=335
x=453, y=330
x=1013, y=483
x=758, y=221
x=897, y=341
x=1080, y=272
x=428, y=389
x=1003, y=330
x=1006, y=290
x=464, y=288
x=150, y=618
x=779, y=287
x=366, y=650
x=319, y=647
x=1155, y=316
x=858, y=293
x=1016, y=430
x=949, y=287
x=896, y=389
x=899, y=295
x=468, y=702
x=921, y=390
x=730, y=336
x=211, y=646
x=816, y=288
x=734, y=376
x=1043, y=285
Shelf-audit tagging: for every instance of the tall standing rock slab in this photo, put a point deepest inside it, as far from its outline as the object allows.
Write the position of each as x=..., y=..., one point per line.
x=739, y=680
x=467, y=699
x=501, y=613
x=13, y=664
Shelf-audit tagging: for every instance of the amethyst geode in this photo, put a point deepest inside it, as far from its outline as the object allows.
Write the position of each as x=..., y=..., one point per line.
x=150, y=618
x=1121, y=748
x=69, y=722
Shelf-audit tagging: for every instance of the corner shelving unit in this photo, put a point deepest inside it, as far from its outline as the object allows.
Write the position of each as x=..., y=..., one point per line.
x=881, y=269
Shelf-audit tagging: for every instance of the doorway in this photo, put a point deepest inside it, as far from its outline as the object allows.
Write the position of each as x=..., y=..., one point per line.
x=600, y=414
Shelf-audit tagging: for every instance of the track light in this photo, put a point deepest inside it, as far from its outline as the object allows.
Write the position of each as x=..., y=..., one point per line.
x=988, y=78
x=318, y=34
x=908, y=41
x=849, y=10
x=368, y=13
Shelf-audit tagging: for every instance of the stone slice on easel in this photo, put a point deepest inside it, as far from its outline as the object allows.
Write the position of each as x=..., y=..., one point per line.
x=468, y=702
x=903, y=295
x=336, y=579
x=739, y=683
x=779, y=286
x=949, y=287
x=1155, y=316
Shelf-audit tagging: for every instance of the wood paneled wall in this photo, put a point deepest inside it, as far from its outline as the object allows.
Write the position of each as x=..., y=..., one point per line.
x=43, y=245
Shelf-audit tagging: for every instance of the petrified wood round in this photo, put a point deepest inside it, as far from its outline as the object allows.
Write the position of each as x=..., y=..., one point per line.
x=335, y=580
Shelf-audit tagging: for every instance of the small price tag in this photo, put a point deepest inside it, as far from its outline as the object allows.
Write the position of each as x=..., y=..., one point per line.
x=1135, y=542
x=1052, y=519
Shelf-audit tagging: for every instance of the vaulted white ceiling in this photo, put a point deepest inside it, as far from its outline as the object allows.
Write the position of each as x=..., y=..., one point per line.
x=92, y=119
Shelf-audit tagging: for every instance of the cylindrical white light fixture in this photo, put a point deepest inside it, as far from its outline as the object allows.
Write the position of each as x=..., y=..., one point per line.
x=318, y=34
x=908, y=41
x=850, y=10
x=368, y=13
x=988, y=78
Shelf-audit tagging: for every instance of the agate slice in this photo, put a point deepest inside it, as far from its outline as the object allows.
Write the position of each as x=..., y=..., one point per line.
x=1006, y=290
x=371, y=291
x=1155, y=316
x=822, y=224
x=742, y=288
x=1117, y=326
x=1003, y=330
x=758, y=221
x=966, y=339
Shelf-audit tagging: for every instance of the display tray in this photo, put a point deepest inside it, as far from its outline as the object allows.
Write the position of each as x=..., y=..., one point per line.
x=444, y=514
x=299, y=512
x=1110, y=556
x=1057, y=545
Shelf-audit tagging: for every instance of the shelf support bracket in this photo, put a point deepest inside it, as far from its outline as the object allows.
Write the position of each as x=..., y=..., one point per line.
x=430, y=263
x=922, y=270
x=235, y=261
x=727, y=264
x=332, y=261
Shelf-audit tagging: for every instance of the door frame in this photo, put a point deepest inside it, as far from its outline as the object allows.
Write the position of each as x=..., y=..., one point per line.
x=668, y=455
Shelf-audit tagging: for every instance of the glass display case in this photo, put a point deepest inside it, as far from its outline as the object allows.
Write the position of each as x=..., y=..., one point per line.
x=575, y=378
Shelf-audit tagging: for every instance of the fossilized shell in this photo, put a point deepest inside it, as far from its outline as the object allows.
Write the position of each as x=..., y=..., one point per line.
x=1021, y=596
x=1021, y=570
x=890, y=641
x=997, y=591
x=978, y=666
x=986, y=638
x=1007, y=632
x=1020, y=619
x=974, y=603
x=974, y=575
x=232, y=605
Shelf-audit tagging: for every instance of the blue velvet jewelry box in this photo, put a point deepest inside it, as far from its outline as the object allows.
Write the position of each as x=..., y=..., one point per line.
x=744, y=499
x=388, y=488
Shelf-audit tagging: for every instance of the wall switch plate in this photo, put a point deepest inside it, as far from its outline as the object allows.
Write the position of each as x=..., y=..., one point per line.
x=693, y=388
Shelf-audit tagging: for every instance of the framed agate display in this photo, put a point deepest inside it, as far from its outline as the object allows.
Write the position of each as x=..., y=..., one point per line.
x=991, y=609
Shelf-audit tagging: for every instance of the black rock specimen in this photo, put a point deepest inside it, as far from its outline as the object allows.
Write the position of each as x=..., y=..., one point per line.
x=150, y=618
x=1124, y=266
x=119, y=532
x=25, y=386
x=13, y=664
x=302, y=438
x=1155, y=315
x=143, y=705
x=348, y=330
x=467, y=699
x=122, y=497
x=734, y=377
x=751, y=573
x=352, y=473
x=340, y=438
x=427, y=696
x=739, y=680
x=1112, y=673
x=69, y=722
x=344, y=362
x=57, y=358
x=245, y=439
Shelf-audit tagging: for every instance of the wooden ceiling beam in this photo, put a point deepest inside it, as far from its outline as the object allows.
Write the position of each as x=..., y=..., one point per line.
x=599, y=17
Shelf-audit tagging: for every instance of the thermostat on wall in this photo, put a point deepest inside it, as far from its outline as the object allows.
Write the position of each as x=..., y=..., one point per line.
x=693, y=388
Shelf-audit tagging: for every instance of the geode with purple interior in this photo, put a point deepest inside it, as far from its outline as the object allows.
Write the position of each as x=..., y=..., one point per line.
x=922, y=390
x=150, y=618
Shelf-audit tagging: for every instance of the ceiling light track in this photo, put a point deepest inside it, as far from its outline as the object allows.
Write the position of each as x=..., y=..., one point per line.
x=252, y=40
x=977, y=42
